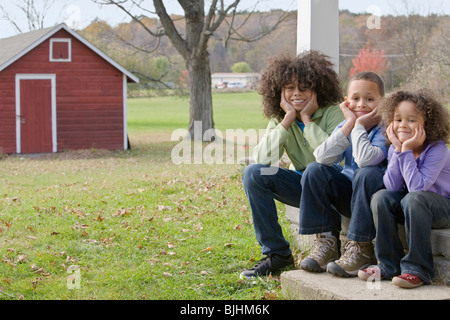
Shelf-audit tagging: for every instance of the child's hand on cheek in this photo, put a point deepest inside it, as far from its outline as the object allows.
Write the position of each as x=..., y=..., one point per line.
x=348, y=114
x=416, y=141
x=393, y=137
x=285, y=105
x=369, y=120
x=309, y=109
x=350, y=118
x=291, y=114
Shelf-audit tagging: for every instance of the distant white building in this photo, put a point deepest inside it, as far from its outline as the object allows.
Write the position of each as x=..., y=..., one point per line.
x=234, y=80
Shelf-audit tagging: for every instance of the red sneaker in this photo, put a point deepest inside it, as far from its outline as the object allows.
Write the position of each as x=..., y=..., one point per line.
x=407, y=280
x=372, y=271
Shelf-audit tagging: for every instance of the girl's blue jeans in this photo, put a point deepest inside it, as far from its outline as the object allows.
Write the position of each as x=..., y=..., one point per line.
x=327, y=194
x=420, y=212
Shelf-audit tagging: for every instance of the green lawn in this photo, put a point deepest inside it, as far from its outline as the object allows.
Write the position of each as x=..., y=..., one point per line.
x=135, y=224
x=166, y=114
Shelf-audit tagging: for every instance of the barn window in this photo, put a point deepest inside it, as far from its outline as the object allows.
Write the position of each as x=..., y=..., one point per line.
x=60, y=50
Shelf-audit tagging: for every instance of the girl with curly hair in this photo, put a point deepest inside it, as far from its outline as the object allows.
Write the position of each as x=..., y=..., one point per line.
x=301, y=97
x=417, y=192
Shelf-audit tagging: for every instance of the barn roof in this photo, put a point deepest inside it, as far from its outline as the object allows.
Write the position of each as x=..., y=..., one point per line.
x=13, y=48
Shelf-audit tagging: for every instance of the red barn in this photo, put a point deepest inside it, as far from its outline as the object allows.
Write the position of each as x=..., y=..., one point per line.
x=59, y=92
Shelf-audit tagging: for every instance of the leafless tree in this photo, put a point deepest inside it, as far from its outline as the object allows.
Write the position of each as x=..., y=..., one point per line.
x=433, y=66
x=415, y=25
x=200, y=25
x=35, y=13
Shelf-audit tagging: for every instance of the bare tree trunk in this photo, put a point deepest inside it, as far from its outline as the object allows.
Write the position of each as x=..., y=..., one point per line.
x=201, y=112
x=193, y=47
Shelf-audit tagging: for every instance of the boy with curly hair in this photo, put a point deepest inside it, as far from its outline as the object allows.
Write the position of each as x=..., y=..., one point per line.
x=300, y=97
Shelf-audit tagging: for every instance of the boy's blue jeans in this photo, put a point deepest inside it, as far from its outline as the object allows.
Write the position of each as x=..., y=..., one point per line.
x=286, y=186
x=420, y=212
x=262, y=190
x=327, y=194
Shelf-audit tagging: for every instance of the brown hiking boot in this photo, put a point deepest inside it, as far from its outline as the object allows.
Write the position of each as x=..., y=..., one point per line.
x=358, y=255
x=325, y=250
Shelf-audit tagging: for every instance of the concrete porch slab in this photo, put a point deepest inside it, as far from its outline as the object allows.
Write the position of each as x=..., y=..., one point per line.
x=303, y=285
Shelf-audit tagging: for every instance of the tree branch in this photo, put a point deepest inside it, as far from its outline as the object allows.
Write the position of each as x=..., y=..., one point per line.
x=134, y=18
x=35, y=17
x=240, y=37
x=170, y=30
x=137, y=47
x=140, y=74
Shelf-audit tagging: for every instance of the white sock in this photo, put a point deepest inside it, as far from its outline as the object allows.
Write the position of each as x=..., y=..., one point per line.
x=325, y=234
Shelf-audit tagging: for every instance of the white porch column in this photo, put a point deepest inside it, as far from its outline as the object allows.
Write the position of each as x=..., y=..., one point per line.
x=318, y=28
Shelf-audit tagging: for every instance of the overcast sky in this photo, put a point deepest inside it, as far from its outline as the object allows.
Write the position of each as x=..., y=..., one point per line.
x=82, y=12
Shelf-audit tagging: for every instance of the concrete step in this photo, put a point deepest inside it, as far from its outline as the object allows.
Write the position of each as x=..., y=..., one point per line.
x=303, y=285
x=440, y=243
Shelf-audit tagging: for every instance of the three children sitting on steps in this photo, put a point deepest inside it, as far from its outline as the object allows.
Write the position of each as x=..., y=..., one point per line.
x=374, y=188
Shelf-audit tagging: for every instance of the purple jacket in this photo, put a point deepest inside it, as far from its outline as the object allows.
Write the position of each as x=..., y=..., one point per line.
x=429, y=172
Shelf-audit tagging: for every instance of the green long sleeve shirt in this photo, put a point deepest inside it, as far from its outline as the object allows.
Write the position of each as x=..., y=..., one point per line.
x=298, y=144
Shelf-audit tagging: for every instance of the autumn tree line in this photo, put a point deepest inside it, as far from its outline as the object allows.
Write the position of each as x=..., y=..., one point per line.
x=409, y=51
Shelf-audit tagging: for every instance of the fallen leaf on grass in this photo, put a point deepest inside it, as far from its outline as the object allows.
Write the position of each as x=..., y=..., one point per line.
x=170, y=245
x=167, y=274
x=7, y=224
x=164, y=252
x=122, y=212
x=228, y=244
x=39, y=270
x=206, y=249
x=35, y=282
x=71, y=259
x=83, y=233
x=21, y=258
x=80, y=226
x=31, y=237
x=153, y=260
x=8, y=261
x=90, y=241
x=270, y=295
